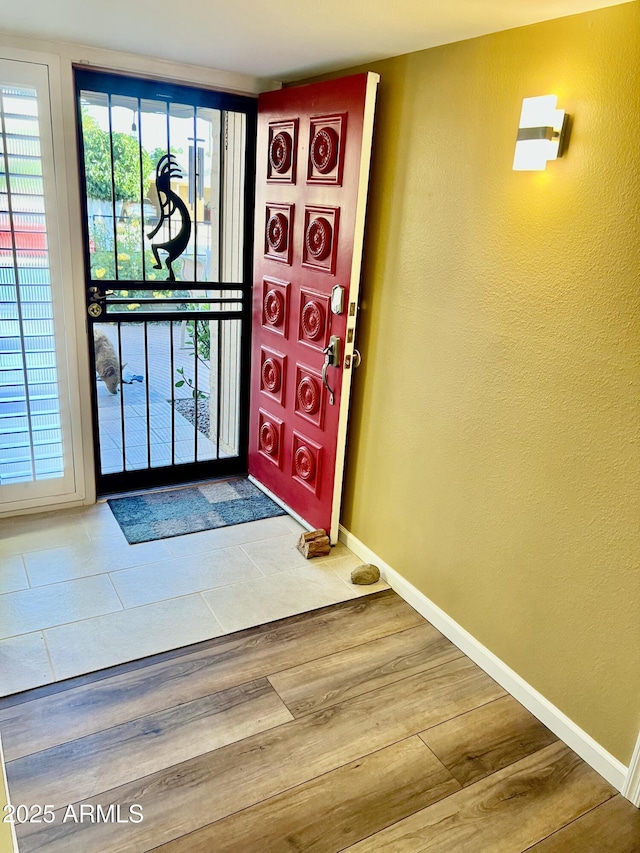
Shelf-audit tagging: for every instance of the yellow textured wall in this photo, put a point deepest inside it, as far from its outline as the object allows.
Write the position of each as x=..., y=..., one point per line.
x=494, y=458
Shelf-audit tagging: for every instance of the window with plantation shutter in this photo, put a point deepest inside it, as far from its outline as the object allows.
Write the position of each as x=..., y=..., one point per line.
x=35, y=452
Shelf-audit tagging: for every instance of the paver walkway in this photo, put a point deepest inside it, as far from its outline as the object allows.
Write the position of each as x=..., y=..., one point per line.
x=142, y=405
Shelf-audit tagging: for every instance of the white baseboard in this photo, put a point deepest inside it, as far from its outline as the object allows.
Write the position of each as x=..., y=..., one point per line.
x=631, y=787
x=38, y=505
x=626, y=780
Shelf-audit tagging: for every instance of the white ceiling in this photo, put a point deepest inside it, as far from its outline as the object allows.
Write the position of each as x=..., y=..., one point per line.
x=276, y=39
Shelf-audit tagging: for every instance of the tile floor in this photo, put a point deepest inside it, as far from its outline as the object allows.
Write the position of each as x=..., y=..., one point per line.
x=76, y=597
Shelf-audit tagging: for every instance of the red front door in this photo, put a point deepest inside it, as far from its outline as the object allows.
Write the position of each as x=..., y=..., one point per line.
x=313, y=154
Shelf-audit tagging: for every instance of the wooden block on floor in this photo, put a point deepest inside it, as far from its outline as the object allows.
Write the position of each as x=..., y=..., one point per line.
x=314, y=544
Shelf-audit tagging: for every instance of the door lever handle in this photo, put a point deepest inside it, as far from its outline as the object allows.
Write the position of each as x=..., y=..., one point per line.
x=331, y=359
x=96, y=293
x=325, y=382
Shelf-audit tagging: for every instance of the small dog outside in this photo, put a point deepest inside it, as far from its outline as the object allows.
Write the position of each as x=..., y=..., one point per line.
x=107, y=365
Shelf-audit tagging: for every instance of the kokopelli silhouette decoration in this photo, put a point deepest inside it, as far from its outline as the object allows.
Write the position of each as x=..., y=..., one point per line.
x=170, y=202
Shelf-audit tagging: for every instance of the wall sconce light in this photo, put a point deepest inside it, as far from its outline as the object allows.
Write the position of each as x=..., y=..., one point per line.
x=541, y=134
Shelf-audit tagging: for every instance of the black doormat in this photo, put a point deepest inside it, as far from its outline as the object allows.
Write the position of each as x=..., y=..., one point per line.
x=174, y=512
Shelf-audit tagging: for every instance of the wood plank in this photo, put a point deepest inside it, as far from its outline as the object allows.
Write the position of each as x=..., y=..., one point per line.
x=187, y=796
x=503, y=813
x=81, y=768
x=334, y=810
x=613, y=827
x=222, y=663
x=343, y=675
x=487, y=739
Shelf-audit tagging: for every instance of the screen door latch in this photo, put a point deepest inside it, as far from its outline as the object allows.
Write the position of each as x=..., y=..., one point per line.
x=331, y=359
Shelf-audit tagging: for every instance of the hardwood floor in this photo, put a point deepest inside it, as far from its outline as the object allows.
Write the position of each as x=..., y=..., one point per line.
x=357, y=727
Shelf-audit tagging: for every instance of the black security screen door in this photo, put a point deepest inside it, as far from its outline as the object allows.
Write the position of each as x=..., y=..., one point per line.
x=167, y=177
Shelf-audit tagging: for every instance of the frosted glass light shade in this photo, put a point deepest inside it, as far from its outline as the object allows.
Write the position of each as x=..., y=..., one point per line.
x=539, y=133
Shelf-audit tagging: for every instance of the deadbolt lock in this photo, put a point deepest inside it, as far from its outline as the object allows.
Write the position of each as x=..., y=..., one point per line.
x=337, y=299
